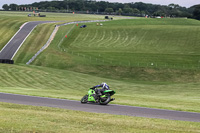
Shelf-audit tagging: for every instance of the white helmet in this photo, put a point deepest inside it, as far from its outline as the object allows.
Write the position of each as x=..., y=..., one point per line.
x=105, y=86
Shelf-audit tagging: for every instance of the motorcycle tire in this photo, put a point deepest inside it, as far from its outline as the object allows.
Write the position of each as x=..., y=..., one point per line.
x=105, y=102
x=84, y=99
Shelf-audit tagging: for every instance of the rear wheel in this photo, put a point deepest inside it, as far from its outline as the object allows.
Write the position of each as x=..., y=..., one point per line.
x=105, y=100
x=84, y=99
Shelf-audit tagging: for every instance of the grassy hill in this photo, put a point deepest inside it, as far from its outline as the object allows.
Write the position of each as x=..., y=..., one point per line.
x=136, y=49
x=56, y=83
x=11, y=21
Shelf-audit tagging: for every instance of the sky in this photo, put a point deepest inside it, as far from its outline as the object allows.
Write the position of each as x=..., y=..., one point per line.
x=184, y=3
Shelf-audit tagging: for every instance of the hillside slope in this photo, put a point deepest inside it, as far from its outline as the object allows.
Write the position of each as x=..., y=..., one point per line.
x=137, y=49
x=56, y=83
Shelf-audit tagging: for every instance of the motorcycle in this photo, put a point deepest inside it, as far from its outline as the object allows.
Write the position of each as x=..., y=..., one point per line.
x=92, y=97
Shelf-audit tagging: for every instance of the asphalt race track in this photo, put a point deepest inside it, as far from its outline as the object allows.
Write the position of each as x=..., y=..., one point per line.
x=17, y=40
x=110, y=108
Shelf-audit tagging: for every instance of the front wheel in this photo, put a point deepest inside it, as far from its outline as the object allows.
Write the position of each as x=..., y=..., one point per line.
x=105, y=100
x=84, y=99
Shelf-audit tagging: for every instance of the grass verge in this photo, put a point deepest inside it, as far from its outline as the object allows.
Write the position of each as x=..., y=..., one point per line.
x=21, y=118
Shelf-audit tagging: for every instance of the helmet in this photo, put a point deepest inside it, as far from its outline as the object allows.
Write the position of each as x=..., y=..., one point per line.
x=105, y=86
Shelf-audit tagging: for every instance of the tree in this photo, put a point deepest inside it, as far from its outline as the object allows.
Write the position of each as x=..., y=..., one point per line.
x=110, y=7
x=128, y=10
x=140, y=6
x=102, y=5
x=5, y=7
x=120, y=11
x=196, y=12
x=51, y=8
x=176, y=6
x=159, y=13
x=109, y=10
x=13, y=7
x=136, y=11
x=143, y=13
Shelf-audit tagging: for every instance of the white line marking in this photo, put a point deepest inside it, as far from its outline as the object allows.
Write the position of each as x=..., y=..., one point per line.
x=23, y=42
x=13, y=36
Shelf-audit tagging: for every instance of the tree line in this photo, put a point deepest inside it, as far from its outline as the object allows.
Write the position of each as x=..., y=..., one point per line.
x=93, y=6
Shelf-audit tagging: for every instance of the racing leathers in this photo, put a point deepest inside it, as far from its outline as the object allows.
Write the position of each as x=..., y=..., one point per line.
x=104, y=86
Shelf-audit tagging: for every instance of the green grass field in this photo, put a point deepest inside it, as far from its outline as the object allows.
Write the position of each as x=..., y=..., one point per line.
x=48, y=82
x=149, y=62
x=138, y=42
x=21, y=118
x=137, y=49
x=10, y=22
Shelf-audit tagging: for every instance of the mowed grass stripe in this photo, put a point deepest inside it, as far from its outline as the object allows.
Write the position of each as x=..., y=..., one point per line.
x=94, y=37
x=97, y=38
x=27, y=79
x=108, y=37
x=112, y=35
x=8, y=28
x=6, y=80
x=20, y=77
x=85, y=37
x=143, y=36
x=122, y=39
x=126, y=38
x=137, y=38
x=3, y=24
x=114, y=38
x=12, y=27
x=17, y=78
x=75, y=40
x=11, y=81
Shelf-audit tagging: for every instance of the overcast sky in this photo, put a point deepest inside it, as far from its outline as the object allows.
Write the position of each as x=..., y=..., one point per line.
x=185, y=3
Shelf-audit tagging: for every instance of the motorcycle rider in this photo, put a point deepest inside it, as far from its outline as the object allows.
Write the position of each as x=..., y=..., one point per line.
x=100, y=91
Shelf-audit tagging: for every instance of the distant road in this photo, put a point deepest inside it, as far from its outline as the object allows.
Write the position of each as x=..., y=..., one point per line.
x=11, y=48
x=110, y=108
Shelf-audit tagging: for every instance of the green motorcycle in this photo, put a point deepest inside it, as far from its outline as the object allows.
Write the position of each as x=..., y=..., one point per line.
x=92, y=97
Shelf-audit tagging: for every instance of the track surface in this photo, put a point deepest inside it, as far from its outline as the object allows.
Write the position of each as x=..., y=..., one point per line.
x=110, y=109
x=14, y=44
